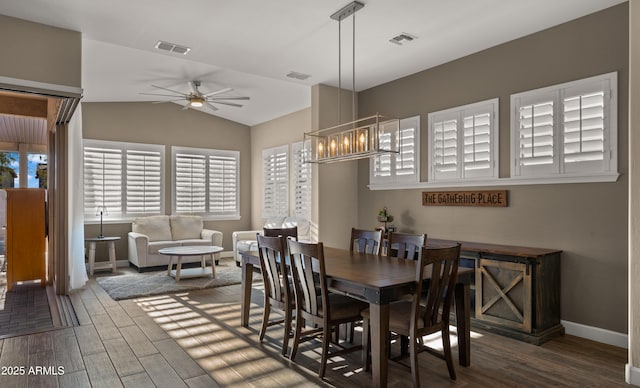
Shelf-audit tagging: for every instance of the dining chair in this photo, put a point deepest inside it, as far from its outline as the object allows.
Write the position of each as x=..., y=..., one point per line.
x=278, y=292
x=404, y=245
x=422, y=316
x=285, y=232
x=365, y=241
x=315, y=306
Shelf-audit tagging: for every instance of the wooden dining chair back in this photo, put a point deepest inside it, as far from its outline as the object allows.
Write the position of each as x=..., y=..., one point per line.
x=424, y=313
x=430, y=314
x=315, y=306
x=404, y=245
x=285, y=232
x=365, y=241
x=278, y=292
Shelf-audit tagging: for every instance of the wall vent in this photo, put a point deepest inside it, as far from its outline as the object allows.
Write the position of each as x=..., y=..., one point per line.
x=296, y=75
x=174, y=48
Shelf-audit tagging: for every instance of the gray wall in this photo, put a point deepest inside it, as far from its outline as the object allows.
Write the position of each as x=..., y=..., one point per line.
x=587, y=221
x=41, y=53
x=168, y=124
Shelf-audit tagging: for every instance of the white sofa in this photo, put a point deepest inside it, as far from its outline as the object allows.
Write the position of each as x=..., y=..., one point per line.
x=246, y=240
x=149, y=234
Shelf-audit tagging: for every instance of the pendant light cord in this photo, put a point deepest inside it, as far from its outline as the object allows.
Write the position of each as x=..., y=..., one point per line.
x=339, y=71
x=353, y=74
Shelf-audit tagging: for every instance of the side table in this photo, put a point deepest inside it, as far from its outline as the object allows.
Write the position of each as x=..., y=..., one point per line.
x=111, y=243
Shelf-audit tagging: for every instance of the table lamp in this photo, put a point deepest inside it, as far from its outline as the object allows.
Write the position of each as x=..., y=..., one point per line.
x=100, y=210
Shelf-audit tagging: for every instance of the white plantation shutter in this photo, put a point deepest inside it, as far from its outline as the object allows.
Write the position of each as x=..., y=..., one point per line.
x=477, y=142
x=144, y=181
x=464, y=142
x=206, y=182
x=275, y=164
x=223, y=184
x=535, y=134
x=190, y=183
x=102, y=181
x=444, y=150
x=407, y=144
x=301, y=180
x=584, y=128
x=566, y=129
x=401, y=166
x=382, y=162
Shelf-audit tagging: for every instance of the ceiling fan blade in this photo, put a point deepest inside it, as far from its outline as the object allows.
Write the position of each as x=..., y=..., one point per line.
x=162, y=102
x=213, y=108
x=165, y=95
x=170, y=90
x=186, y=107
x=227, y=103
x=229, y=98
x=218, y=92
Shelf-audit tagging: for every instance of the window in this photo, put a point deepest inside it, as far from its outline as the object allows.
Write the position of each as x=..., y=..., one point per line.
x=398, y=167
x=566, y=129
x=206, y=182
x=463, y=142
x=275, y=175
x=301, y=180
x=124, y=178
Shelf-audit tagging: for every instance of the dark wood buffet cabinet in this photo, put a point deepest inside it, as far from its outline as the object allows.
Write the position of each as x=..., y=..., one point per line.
x=517, y=289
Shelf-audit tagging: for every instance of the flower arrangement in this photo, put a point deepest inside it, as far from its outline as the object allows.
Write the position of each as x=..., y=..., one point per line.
x=384, y=215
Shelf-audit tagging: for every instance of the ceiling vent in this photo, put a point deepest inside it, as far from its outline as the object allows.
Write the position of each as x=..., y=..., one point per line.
x=174, y=48
x=296, y=75
x=402, y=38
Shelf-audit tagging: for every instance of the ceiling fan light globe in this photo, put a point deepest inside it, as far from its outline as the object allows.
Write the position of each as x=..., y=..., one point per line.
x=196, y=102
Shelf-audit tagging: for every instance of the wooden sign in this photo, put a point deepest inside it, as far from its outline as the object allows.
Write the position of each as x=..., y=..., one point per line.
x=491, y=198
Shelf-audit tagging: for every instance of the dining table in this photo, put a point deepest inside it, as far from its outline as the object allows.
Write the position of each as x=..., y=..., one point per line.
x=378, y=280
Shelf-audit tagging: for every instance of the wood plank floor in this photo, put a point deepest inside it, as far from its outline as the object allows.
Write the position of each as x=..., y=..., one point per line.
x=195, y=340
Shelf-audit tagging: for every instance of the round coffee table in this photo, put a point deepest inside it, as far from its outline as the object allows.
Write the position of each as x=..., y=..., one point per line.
x=190, y=250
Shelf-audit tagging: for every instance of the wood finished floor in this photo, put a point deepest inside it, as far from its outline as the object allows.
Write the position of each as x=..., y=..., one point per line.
x=195, y=340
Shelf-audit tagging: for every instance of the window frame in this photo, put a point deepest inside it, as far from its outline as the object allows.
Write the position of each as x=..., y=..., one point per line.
x=560, y=169
x=270, y=153
x=207, y=153
x=393, y=179
x=123, y=147
x=300, y=153
x=459, y=113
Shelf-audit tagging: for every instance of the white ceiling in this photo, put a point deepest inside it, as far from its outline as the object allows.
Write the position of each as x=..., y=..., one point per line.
x=250, y=45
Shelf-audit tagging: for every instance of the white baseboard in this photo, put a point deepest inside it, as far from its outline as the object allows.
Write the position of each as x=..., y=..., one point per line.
x=596, y=334
x=632, y=375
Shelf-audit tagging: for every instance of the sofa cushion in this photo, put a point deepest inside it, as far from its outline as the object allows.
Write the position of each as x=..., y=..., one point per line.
x=186, y=227
x=154, y=246
x=157, y=228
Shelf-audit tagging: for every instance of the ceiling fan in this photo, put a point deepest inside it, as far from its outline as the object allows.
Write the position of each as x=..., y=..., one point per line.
x=197, y=98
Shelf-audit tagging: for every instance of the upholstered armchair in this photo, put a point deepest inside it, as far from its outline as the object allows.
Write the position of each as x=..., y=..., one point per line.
x=246, y=240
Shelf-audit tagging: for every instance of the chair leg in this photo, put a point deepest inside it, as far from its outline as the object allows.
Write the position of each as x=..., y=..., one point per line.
x=265, y=318
x=287, y=331
x=296, y=336
x=446, y=345
x=404, y=345
x=365, y=344
x=326, y=337
x=413, y=354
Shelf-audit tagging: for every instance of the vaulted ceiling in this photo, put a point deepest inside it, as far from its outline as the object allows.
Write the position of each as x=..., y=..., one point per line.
x=251, y=45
